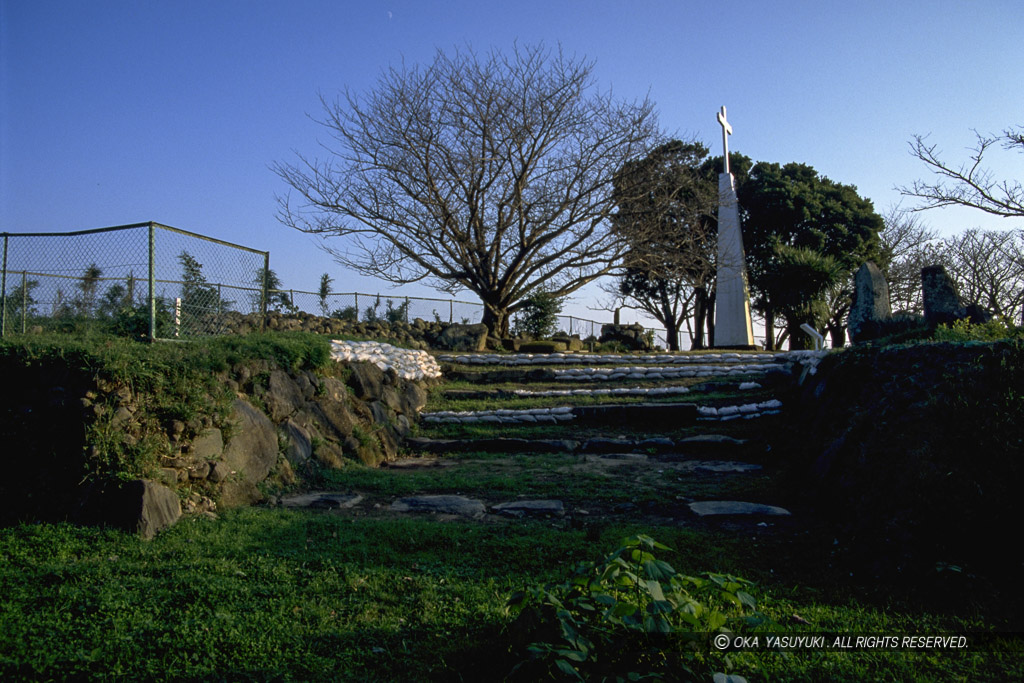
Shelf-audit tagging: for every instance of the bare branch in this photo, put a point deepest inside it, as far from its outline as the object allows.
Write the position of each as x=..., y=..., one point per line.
x=969, y=184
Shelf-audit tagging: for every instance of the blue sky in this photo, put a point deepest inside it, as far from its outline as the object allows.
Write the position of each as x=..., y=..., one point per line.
x=119, y=112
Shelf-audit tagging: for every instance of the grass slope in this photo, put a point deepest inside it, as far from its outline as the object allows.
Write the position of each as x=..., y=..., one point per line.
x=274, y=594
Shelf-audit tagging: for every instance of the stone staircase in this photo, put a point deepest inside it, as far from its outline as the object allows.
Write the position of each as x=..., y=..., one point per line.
x=602, y=377
x=607, y=412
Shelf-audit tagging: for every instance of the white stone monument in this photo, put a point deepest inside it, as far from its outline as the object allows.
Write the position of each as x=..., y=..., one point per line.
x=733, y=328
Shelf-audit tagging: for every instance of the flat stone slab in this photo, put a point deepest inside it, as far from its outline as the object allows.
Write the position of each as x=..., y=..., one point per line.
x=414, y=463
x=519, y=508
x=498, y=444
x=708, y=508
x=718, y=466
x=711, y=439
x=443, y=504
x=620, y=457
x=323, y=500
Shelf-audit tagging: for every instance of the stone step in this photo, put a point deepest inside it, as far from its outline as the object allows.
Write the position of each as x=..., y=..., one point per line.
x=463, y=506
x=699, y=447
x=441, y=504
x=527, y=359
x=323, y=500
x=639, y=415
x=505, y=394
x=633, y=414
x=618, y=374
x=718, y=508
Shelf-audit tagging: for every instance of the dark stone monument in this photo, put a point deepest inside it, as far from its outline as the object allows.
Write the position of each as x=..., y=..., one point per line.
x=871, y=308
x=942, y=303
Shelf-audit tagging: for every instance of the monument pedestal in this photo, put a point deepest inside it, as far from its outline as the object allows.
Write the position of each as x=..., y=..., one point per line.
x=733, y=327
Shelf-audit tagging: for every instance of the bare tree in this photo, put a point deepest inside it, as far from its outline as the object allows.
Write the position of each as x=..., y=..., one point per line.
x=969, y=184
x=489, y=173
x=906, y=246
x=988, y=268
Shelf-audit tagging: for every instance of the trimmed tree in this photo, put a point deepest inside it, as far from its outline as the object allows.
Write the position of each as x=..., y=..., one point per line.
x=803, y=230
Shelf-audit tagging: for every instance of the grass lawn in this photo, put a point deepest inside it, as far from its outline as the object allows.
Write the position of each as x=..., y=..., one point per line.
x=270, y=594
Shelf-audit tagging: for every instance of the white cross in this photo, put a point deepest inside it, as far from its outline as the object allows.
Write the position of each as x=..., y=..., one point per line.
x=726, y=132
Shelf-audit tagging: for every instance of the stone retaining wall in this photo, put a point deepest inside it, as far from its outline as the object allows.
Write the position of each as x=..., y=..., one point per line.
x=278, y=422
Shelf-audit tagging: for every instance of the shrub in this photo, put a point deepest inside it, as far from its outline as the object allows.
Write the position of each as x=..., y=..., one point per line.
x=349, y=313
x=134, y=321
x=539, y=315
x=964, y=330
x=397, y=314
x=612, y=347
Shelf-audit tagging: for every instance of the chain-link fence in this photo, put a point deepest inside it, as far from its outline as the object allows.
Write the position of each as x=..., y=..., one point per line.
x=361, y=307
x=158, y=282
x=145, y=280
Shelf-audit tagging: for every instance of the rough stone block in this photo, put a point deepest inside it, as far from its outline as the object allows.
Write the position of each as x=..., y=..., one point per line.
x=252, y=450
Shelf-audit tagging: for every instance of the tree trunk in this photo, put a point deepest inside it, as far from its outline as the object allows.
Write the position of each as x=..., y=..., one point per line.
x=672, y=334
x=496, y=319
x=798, y=339
x=837, y=334
x=700, y=317
x=769, y=330
x=709, y=319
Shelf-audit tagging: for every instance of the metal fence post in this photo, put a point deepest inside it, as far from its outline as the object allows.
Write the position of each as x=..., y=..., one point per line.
x=3, y=292
x=357, y=306
x=24, y=300
x=152, y=282
x=264, y=293
x=451, y=310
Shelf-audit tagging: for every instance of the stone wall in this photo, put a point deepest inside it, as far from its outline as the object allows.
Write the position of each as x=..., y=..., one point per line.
x=417, y=334
x=915, y=453
x=278, y=424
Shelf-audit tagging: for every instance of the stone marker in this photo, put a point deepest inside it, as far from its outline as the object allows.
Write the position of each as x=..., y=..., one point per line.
x=940, y=298
x=870, y=306
x=942, y=304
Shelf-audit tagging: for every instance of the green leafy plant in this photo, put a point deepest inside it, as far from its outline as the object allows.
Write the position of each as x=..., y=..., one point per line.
x=629, y=617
